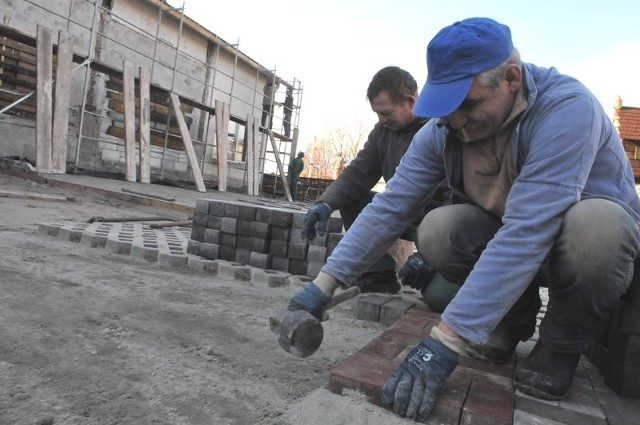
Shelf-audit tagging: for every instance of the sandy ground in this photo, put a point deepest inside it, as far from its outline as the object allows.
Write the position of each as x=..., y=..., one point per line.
x=92, y=337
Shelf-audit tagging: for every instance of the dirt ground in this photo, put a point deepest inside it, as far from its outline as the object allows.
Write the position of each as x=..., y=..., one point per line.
x=92, y=337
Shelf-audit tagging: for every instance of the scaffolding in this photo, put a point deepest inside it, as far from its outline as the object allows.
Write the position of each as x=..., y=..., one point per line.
x=282, y=146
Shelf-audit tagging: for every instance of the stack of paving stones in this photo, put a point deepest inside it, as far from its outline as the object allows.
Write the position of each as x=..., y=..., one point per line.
x=261, y=236
x=615, y=346
x=476, y=393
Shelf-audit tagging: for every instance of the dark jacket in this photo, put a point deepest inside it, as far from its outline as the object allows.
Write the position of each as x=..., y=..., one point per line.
x=378, y=158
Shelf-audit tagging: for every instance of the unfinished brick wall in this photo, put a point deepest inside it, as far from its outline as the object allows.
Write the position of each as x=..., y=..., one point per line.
x=267, y=237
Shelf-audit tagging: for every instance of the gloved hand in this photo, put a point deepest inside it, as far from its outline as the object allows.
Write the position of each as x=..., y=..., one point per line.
x=310, y=299
x=320, y=214
x=414, y=386
x=416, y=272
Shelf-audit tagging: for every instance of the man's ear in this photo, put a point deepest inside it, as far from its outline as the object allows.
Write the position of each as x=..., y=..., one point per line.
x=411, y=99
x=513, y=76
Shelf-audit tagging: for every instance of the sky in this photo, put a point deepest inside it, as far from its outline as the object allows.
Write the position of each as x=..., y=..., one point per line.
x=334, y=47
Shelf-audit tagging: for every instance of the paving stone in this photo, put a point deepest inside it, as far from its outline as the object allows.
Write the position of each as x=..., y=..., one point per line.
x=297, y=219
x=334, y=225
x=553, y=412
x=227, y=253
x=261, y=230
x=260, y=245
x=198, y=232
x=229, y=225
x=200, y=220
x=298, y=251
x=244, y=228
x=281, y=218
x=231, y=210
x=296, y=236
x=280, y=233
x=278, y=248
x=246, y=213
x=214, y=222
x=369, y=305
x=394, y=309
x=242, y=255
x=313, y=268
x=624, y=380
x=317, y=254
x=297, y=267
x=228, y=239
x=318, y=241
x=216, y=207
x=263, y=215
x=526, y=418
x=202, y=207
x=487, y=404
x=363, y=373
x=624, y=349
x=450, y=401
x=244, y=242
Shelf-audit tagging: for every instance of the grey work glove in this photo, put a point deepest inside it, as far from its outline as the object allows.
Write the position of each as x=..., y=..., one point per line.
x=320, y=214
x=416, y=272
x=414, y=385
x=310, y=299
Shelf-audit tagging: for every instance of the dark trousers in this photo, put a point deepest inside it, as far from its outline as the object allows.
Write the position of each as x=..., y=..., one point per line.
x=589, y=267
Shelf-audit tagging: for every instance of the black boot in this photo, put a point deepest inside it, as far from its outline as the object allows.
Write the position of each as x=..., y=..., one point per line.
x=384, y=281
x=546, y=374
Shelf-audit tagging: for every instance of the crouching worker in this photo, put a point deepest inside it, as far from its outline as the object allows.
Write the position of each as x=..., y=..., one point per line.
x=542, y=193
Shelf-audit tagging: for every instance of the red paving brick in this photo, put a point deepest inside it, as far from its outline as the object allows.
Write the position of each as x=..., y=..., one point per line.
x=476, y=393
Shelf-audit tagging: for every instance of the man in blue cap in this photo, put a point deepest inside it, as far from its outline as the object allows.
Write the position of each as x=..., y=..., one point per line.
x=543, y=194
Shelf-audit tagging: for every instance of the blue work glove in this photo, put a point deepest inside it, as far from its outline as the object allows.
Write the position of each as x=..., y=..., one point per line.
x=414, y=386
x=320, y=214
x=416, y=272
x=310, y=299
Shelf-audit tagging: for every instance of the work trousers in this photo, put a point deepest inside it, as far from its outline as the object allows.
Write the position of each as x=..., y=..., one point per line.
x=589, y=267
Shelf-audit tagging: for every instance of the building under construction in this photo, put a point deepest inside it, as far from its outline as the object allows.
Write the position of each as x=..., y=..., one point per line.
x=137, y=88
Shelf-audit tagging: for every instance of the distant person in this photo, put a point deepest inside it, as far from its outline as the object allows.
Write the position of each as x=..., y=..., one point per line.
x=287, y=111
x=392, y=95
x=295, y=168
x=268, y=102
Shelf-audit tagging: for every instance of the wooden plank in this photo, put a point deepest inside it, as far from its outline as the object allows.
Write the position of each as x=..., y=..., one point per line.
x=129, y=122
x=43, y=98
x=5, y=193
x=191, y=154
x=222, y=142
x=145, y=127
x=61, y=103
x=29, y=50
x=276, y=153
x=251, y=155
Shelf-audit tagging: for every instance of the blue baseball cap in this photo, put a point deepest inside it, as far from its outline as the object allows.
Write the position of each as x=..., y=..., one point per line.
x=455, y=56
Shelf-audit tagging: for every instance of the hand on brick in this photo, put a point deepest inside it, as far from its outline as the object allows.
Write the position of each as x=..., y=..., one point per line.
x=311, y=299
x=318, y=214
x=416, y=272
x=414, y=385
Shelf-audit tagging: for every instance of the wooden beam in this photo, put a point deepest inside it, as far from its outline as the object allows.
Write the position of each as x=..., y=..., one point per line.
x=145, y=127
x=186, y=139
x=253, y=156
x=129, y=122
x=61, y=103
x=43, y=99
x=276, y=153
x=222, y=142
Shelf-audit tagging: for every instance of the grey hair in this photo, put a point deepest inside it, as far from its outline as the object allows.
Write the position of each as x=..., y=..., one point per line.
x=492, y=77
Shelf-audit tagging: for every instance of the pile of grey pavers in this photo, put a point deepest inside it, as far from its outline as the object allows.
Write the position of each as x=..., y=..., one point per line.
x=262, y=236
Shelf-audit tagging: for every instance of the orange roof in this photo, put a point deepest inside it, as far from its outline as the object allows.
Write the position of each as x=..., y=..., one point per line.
x=629, y=123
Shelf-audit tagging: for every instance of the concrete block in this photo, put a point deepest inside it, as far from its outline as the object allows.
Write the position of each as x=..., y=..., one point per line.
x=171, y=259
x=200, y=219
x=280, y=233
x=278, y=248
x=146, y=253
x=119, y=246
x=193, y=247
x=280, y=218
x=49, y=229
x=298, y=251
x=280, y=263
x=313, y=268
x=227, y=253
x=272, y=278
x=229, y=225
x=333, y=239
x=263, y=215
x=260, y=260
x=243, y=227
x=297, y=219
x=210, y=251
x=216, y=208
x=296, y=235
x=212, y=236
x=214, y=222
x=198, y=232
x=246, y=213
x=317, y=254
x=242, y=255
x=244, y=242
x=318, y=240
x=334, y=225
x=553, y=412
x=231, y=210
x=261, y=230
x=72, y=233
x=297, y=267
x=233, y=270
x=228, y=239
x=202, y=265
x=259, y=245
x=202, y=207
x=93, y=240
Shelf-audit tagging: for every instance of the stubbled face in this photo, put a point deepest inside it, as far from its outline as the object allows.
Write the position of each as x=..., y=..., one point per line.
x=394, y=116
x=485, y=109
